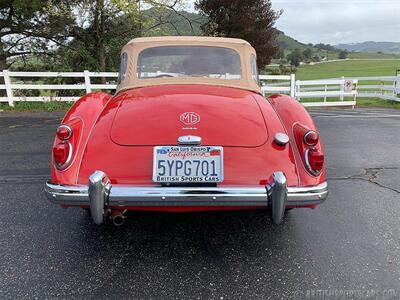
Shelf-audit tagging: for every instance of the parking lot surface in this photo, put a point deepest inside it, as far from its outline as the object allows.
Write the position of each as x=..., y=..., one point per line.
x=348, y=247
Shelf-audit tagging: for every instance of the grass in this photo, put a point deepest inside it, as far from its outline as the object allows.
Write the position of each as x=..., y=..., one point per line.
x=361, y=102
x=37, y=106
x=376, y=102
x=373, y=55
x=353, y=68
x=348, y=68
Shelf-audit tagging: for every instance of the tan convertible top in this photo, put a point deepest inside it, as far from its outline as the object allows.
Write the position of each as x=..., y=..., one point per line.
x=135, y=46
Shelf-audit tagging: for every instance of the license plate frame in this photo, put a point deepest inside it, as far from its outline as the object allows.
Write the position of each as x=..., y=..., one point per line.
x=189, y=153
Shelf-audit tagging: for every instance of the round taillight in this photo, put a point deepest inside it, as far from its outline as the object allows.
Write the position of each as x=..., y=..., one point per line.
x=64, y=132
x=311, y=138
x=314, y=161
x=62, y=154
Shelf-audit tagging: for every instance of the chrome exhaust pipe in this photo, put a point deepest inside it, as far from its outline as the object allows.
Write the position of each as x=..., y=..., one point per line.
x=118, y=218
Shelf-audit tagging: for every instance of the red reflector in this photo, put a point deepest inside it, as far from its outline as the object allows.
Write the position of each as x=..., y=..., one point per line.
x=315, y=161
x=64, y=132
x=62, y=154
x=311, y=138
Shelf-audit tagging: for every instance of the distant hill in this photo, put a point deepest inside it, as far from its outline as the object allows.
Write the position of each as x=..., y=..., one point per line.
x=370, y=46
x=318, y=52
x=287, y=43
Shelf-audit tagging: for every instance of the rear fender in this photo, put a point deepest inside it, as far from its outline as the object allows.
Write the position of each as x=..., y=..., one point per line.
x=81, y=117
x=292, y=115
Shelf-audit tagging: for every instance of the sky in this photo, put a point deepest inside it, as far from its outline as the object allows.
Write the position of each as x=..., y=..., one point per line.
x=339, y=21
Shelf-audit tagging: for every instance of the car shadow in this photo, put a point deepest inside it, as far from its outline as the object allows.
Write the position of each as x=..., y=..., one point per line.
x=170, y=252
x=209, y=235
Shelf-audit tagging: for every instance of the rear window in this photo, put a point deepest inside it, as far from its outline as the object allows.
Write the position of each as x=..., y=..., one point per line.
x=122, y=67
x=254, y=69
x=189, y=61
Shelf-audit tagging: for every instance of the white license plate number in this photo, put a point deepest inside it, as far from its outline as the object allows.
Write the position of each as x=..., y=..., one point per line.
x=192, y=164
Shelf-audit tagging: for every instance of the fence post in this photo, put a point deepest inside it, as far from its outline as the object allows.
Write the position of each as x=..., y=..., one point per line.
x=355, y=85
x=342, y=89
x=297, y=88
x=87, y=81
x=292, y=85
x=397, y=84
x=7, y=83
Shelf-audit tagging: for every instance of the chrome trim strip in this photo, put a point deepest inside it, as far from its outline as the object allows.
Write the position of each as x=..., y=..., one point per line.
x=189, y=140
x=128, y=195
x=307, y=195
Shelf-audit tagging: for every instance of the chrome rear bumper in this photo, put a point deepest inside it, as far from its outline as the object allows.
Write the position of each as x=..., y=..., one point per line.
x=121, y=195
x=100, y=194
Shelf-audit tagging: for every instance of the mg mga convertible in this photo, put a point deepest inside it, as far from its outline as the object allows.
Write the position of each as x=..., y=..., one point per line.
x=187, y=129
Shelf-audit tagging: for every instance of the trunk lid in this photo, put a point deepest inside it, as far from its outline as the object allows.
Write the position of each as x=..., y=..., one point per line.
x=160, y=115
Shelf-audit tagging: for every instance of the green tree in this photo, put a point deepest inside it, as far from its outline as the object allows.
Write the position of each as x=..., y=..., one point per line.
x=251, y=20
x=307, y=54
x=327, y=47
x=295, y=57
x=33, y=27
x=97, y=40
x=109, y=25
x=343, y=54
x=280, y=54
x=75, y=34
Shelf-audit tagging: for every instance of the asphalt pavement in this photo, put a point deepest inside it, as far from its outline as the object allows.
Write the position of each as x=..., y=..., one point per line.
x=348, y=248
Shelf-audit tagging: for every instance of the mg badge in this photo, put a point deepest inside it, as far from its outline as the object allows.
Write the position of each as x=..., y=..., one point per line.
x=189, y=118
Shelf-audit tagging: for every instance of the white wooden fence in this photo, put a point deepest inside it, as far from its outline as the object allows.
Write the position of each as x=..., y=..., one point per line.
x=285, y=86
x=347, y=90
x=83, y=79
x=324, y=88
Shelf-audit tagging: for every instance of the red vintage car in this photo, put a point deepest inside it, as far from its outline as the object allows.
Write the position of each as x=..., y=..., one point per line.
x=188, y=129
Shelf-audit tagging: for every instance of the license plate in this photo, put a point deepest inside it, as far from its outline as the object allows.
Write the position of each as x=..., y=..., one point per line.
x=192, y=164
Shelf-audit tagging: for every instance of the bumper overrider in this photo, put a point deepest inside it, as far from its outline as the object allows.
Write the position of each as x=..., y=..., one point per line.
x=101, y=194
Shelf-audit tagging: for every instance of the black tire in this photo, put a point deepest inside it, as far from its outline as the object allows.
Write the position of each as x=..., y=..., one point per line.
x=87, y=211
